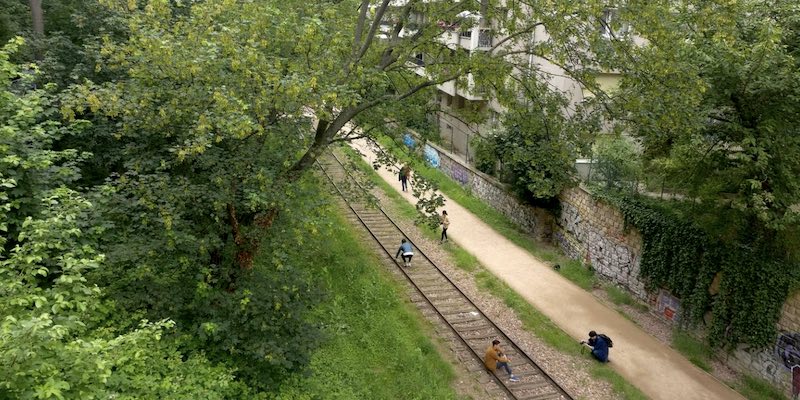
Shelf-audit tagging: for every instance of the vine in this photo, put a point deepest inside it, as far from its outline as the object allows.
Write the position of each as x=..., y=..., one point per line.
x=681, y=257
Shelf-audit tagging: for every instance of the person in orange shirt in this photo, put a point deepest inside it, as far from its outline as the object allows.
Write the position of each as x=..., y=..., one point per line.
x=495, y=359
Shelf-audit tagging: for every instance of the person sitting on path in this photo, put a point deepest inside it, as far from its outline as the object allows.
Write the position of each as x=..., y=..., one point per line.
x=599, y=345
x=406, y=251
x=495, y=359
x=405, y=174
x=445, y=224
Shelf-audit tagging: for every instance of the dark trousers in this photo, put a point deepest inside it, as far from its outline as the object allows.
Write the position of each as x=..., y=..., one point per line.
x=504, y=366
x=444, y=234
x=404, y=182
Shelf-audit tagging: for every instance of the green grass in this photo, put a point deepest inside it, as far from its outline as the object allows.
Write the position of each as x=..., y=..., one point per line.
x=578, y=274
x=378, y=346
x=463, y=259
x=619, y=296
x=696, y=351
x=758, y=389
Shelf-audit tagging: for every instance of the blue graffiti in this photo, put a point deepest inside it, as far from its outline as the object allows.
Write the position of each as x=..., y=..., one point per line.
x=432, y=156
x=409, y=141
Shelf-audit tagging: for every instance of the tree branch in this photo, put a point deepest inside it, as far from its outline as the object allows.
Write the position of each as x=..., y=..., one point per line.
x=376, y=22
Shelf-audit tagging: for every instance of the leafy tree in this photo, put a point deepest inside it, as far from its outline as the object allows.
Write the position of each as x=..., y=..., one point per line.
x=617, y=163
x=54, y=342
x=713, y=97
x=539, y=141
x=710, y=94
x=14, y=19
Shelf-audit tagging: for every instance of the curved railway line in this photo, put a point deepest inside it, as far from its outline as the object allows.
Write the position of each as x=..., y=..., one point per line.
x=467, y=322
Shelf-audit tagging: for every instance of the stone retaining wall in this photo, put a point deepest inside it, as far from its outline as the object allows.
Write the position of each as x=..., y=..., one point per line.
x=775, y=363
x=586, y=229
x=494, y=193
x=594, y=232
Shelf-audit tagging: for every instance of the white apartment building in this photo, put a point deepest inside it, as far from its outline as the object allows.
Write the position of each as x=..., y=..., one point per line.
x=481, y=36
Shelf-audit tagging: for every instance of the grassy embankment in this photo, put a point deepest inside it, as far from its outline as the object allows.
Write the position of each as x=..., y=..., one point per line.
x=694, y=350
x=378, y=346
x=533, y=320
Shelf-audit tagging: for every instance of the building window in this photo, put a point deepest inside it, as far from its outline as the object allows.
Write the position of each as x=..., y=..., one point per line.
x=466, y=34
x=494, y=119
x=485, y=38
x=610, y=25
x=419, y=59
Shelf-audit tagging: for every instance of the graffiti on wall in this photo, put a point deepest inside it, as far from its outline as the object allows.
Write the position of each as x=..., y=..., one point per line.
x=459, y=174
x=668, y=305
x=409, y=141
x=432, y=156
x=582, y=240
x=788, y=349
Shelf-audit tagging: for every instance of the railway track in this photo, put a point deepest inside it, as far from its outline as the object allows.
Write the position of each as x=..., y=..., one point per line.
x=467, y=322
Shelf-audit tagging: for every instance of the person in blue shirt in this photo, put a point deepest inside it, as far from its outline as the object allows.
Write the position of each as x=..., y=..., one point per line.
x=406, y=251
x=599, y=346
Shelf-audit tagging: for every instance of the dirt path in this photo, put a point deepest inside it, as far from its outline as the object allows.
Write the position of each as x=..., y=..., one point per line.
x=657, y=370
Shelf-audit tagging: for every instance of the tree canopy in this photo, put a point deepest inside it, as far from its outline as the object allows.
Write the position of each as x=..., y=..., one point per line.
x=157, y=158
x=712, y=98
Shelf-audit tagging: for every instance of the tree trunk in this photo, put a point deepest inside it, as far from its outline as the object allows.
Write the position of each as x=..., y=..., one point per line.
x=320, y=143
x=38, y=18
x=244, y=248
x=38, y=24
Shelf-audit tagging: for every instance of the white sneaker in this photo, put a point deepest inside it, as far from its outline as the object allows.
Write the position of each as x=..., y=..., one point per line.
x=513, y=379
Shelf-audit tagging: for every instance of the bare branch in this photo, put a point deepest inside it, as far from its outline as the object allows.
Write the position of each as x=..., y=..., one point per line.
x=347, y=139
x=515, y=34
x=376, y=22
x=362, y=19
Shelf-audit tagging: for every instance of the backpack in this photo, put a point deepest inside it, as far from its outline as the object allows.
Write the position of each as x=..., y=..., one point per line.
x=607, y=339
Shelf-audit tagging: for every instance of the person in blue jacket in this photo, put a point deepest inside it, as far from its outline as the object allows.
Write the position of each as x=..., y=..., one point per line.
x=599, y=346
x=406, y=251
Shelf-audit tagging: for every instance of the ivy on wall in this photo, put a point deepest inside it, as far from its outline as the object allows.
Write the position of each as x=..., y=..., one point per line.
x=679, y=256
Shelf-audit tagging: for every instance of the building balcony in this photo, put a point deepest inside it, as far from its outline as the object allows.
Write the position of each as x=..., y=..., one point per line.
x=476, y=39
x=470, y=92
x=448, y=87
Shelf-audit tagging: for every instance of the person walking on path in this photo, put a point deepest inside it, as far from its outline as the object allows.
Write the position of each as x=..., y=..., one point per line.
x=495, y=359
x=405, y=174
x=599, y=344
x=406, y=251
x=445, y=224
